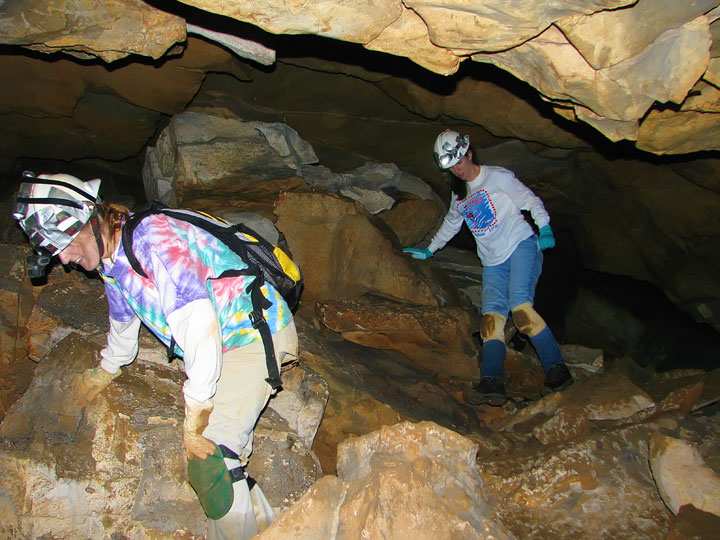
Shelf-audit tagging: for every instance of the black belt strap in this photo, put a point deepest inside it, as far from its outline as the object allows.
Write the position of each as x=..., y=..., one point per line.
x=238, y=473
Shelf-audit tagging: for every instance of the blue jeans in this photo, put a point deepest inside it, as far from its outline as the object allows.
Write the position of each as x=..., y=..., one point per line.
x=509, y=284
x=505, y=286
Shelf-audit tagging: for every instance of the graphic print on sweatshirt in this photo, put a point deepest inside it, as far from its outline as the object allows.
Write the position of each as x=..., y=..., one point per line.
x=479, y=213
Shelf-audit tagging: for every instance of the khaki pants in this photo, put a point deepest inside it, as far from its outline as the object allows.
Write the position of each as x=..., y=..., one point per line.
x=242, y=394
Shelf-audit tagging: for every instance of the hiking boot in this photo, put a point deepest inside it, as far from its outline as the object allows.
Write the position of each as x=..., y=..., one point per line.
x=489, y=391
x=557, y=378
x=490, y=386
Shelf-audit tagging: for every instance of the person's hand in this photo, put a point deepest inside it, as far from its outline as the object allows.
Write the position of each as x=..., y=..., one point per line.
x=421, y=254
x=90, y=383
x=546, y=239
x=197, y=415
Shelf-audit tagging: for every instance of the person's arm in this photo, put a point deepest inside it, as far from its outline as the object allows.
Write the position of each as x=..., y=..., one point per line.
x=196, y=330
x=525, y=199
x=451, y=225
x=121, y=349
x=122, y=344
x=171, y=257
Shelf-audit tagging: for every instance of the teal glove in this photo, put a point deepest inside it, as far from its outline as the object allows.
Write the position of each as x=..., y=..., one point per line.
x=546, y=239
x=421, y=254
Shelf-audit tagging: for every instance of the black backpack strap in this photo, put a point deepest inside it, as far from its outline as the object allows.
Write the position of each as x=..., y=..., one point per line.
x=131, y=223
x=259, y=302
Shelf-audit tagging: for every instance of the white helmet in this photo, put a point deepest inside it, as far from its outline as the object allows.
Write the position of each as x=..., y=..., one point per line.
x=53, y=208
x=450, y=148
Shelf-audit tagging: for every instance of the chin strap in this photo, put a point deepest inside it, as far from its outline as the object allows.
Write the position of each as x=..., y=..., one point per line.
x=95, y=225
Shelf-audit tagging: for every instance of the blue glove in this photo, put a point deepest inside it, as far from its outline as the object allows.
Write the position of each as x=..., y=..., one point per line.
x=421, y=254
x=546, y=239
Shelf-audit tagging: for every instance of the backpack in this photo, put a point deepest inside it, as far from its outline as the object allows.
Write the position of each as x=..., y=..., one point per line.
x=264, y=260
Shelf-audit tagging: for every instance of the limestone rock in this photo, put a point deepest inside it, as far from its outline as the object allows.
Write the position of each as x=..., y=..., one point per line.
x=606, y=38
x=302, y=402
x=411, y=218
x=437, y=340
x=373, y=201
x=135, y=93
x=408, y=36
x=645, y=251
x=570, y=414
x=101, y=125
x=117, y=458
x=213, y=161
x=623, y=91
x=16, y=304
x=664, y=132
x=344, y=254
x=596, y=486
x=117, y=466
x=465, y=269
x=349, y=21
x=495, y=25
x=370, y=389
x=682, y=476
x=583, y=361
x=378, y=186
x=404, y=481
x=693, y=524
x=601, y=62
x=244, y=48
x=117, y=30
x=520, y=119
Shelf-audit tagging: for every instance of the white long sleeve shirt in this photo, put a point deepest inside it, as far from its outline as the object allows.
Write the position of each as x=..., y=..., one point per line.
x=493, y=212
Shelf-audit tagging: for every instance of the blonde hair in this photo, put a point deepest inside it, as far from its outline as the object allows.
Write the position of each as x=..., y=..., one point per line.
x=112, y=215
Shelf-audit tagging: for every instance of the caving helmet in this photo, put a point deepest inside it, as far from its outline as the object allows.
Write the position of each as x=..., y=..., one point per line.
x=52, y=209
x=450, y=147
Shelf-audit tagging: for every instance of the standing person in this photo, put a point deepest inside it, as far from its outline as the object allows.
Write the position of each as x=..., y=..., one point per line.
x=202, y=316
x=490, y=201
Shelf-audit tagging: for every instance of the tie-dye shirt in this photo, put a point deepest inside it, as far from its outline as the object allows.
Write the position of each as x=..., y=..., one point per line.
x=183, y=263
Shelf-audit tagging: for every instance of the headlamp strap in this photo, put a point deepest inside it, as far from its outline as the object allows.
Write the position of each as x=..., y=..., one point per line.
x=49, y=200
x=95, y=225
x=49, y=182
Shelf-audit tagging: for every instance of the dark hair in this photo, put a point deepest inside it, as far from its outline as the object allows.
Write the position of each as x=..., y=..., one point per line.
x=459, y=187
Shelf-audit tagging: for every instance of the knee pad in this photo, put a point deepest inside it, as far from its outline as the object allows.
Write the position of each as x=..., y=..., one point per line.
x=211, y=481
x=527, y=320
x=492, y=326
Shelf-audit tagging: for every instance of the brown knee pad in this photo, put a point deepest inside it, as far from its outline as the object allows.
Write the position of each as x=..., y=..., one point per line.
x=527, y=320
x=492, y=326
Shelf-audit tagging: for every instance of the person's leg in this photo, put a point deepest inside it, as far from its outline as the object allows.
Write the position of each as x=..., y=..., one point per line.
x=525, y=269
x=242, y=394
x=492, y=324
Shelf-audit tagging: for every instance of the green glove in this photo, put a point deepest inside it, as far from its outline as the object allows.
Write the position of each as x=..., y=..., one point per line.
x=421, y=254
x=546, y=239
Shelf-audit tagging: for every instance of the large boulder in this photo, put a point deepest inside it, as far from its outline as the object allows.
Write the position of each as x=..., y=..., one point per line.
x=437, y=340
x=403, y=481
x=345, y=253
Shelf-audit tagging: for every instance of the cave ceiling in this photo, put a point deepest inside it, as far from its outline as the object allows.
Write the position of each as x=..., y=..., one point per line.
x=644, y=72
